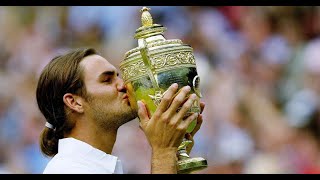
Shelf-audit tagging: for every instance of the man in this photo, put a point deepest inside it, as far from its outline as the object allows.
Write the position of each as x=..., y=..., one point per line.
x=84, y=102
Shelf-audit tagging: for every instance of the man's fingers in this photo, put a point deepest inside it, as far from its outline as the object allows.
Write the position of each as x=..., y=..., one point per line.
x=167, y=98
x=143, y=113
x=186, y=106
x=185, y=123
x=179, y=99
x=188, y=136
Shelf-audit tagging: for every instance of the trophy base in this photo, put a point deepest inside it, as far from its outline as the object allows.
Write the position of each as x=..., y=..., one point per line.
x=189, y=165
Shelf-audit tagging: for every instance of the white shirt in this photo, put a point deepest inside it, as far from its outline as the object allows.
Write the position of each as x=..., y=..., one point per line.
x=77, y=157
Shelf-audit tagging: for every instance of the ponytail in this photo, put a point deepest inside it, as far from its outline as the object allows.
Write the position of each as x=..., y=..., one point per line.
x=48, y=142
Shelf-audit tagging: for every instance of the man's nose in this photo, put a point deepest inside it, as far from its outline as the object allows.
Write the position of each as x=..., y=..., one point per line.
x=120, y=85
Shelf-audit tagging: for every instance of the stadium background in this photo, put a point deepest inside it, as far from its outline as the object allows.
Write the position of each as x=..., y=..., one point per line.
x=259, y=70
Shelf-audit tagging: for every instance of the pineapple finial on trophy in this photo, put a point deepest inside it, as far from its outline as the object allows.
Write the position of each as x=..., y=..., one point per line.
x=148, y=28
x=146, y=18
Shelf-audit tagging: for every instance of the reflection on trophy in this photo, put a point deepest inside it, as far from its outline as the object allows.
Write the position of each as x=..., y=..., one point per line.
x=149, y=69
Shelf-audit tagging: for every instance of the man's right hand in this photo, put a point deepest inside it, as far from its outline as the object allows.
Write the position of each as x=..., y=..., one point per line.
x=166, y=128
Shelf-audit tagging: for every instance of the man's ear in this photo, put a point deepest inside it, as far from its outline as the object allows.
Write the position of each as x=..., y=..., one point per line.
x=74, y=102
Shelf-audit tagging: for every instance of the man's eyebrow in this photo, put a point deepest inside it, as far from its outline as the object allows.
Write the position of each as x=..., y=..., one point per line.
x=108, y=73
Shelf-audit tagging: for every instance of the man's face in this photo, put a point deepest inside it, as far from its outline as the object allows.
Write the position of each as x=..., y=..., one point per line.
x=106, y=101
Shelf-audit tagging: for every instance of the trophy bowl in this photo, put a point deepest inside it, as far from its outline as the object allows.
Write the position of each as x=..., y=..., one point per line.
x=149, y=69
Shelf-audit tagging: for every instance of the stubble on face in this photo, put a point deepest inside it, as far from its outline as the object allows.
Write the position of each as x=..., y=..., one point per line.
x=105, y=100
x=109, y=115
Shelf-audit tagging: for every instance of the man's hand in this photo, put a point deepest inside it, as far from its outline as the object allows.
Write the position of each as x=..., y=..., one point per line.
x=167, y=127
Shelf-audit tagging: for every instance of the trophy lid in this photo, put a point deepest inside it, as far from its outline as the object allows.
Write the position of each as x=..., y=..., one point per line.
x=151, y=33
x=148, y=29
x=154, y=53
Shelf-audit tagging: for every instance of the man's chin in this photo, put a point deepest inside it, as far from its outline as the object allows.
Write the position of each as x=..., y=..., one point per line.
x=130, y=116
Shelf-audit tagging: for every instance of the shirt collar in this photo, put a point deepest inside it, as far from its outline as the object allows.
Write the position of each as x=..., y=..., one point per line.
x=76, y=147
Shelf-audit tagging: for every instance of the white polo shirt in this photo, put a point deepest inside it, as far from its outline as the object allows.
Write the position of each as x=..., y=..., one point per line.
x=77, y=157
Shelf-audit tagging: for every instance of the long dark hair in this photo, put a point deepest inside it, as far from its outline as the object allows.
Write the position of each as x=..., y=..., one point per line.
x=60, y=76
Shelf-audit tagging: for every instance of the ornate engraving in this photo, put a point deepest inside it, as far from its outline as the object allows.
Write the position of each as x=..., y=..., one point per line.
x=137, y=68
x=158, y=62
x=134, y=69
x=174, y=41
x=165, y=60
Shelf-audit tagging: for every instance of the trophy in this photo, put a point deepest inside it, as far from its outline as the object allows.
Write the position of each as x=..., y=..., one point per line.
x=149, y=69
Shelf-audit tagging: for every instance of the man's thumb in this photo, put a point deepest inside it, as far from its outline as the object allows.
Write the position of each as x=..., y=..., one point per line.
x=142, y=113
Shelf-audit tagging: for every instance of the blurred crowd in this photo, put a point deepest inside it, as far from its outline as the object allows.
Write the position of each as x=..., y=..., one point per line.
x=259, y=69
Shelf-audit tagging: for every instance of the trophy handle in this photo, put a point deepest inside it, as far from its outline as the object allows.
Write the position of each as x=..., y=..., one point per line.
x=146, y=60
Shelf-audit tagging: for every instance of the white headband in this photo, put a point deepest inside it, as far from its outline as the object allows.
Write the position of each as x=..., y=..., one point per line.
x=48, y=125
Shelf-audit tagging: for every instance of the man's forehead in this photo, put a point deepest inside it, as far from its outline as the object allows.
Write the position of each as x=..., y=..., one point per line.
x=96, y=64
